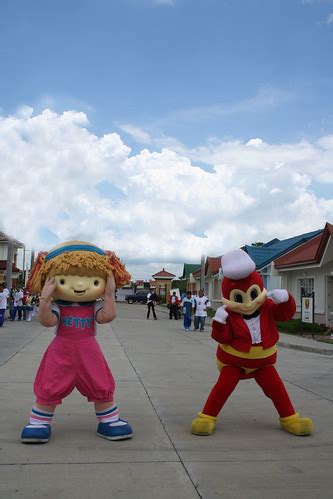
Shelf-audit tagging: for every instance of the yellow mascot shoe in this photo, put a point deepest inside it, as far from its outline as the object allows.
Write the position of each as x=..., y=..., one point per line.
x=296, y=425
x=203, y=424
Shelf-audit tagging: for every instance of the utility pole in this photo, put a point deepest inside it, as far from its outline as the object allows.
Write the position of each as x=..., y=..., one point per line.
x=202, y=273
x=32, y=258
x=9, y=265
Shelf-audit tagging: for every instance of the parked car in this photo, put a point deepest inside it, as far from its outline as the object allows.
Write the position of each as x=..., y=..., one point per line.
x=139, y=296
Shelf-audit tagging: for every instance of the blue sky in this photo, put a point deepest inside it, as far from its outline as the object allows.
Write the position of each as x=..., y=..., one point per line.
x=190, y=69
x=201, y=79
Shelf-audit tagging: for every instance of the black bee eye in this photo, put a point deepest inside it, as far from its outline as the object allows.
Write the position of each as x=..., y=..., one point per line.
x=254, y=294
x=96, y=283
x=62, y=281
x=238, y=298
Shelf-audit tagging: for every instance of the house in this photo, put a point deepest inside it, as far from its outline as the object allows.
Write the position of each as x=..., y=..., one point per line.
x=213, y=276
x=264, y=256
x=188, y=282
x=139, y=284
x=4, y=240
x=143, y=284
x=188, y=269
x=310, y=266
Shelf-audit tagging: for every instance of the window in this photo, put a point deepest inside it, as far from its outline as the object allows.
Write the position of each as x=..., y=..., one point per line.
x=307, y=283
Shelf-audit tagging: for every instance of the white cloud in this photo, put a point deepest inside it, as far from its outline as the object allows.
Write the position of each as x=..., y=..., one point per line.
x=254, y=142
x=265, y=99
x=51, y=166
x=137, y=133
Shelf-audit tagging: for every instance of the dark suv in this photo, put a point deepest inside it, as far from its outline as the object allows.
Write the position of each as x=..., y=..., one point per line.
x=139, y=296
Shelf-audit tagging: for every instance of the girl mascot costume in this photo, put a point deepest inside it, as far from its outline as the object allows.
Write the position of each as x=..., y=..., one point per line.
x=71, y=279
x=245, y=330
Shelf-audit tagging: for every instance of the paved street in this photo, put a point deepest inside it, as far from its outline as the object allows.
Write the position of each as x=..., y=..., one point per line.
x=163, y=376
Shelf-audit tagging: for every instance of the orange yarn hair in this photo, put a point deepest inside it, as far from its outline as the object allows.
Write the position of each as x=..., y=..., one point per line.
x=78, y=262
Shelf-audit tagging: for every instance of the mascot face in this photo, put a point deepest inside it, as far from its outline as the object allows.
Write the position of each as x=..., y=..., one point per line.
x=79, y=288
x=80, y=269
x=243, y=296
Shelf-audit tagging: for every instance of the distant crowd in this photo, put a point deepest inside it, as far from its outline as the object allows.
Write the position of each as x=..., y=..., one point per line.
x=21, y=305
x=187, y=306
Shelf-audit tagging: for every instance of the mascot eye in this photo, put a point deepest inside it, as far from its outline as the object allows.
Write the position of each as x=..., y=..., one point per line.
x=96, y=283
x=238, y=298
x=62, y=281
x=254, y=294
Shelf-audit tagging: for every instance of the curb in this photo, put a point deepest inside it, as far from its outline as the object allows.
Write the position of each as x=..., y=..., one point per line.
x=305, y=348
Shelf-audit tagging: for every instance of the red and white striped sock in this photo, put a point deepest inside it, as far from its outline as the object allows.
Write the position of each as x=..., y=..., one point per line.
x=110, y=415
x=39, y=417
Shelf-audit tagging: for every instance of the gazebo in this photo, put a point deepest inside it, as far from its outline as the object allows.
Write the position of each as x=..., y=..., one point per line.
x=163, y=283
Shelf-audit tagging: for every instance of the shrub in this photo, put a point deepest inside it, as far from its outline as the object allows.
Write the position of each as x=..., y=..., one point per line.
x=295, y=326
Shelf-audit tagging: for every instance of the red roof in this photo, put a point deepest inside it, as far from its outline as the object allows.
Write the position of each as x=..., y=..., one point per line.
x=197, y=273
x=163, y=273
x=308, y=253
x=214, y=264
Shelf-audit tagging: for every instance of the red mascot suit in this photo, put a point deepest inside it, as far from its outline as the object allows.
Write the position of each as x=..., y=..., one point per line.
x=245, y=330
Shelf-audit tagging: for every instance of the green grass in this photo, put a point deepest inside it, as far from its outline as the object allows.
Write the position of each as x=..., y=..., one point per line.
x=295, y=326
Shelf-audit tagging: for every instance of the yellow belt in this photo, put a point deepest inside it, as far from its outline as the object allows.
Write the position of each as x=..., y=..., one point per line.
x=254, y=353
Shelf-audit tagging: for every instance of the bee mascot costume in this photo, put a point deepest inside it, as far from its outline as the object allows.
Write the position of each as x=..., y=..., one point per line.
x=72, y=278
x=245, y=330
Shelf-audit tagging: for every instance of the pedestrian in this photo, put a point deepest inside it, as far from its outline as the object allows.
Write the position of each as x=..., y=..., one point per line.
x=173, y=306
x=195, y=296
x=10, y=302
x=24, y=301
x=3, y=304
x=18, y=305
x=202, y=303
x=35, y=304
x=28, y=306
x=7, y=294
x=151, y=300
x=188, y=308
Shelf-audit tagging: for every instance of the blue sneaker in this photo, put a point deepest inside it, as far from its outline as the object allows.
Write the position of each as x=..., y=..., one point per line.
x=120, y=430
x=36, y=434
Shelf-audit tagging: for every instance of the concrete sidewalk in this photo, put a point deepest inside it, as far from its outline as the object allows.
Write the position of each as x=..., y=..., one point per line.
x=163, y=377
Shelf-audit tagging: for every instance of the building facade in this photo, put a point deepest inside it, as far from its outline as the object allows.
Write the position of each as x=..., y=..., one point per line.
x=4, y=241
x=310, y=266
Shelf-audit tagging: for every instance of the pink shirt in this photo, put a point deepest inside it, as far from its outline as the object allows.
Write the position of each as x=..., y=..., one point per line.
x=76, y=321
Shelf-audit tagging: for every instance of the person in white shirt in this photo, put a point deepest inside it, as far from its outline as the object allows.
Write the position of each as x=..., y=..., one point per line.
x=151, y=298
x=5, y=289
x=3, y=304
x=202, y=303
x=18, y=305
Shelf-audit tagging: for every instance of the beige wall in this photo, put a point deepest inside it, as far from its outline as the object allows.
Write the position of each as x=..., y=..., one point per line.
x=319, y=274
x=4, y=251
